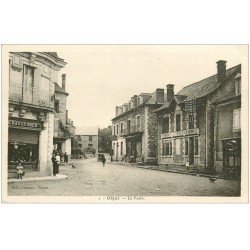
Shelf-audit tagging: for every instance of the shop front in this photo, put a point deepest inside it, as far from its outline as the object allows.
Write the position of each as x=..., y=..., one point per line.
x=134, y=148
x=232, y=157
x=23, y=143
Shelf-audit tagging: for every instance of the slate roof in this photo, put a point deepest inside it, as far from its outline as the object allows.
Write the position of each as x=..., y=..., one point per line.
x=85, y=130
x=201, y=88
x=205, y=86
x=60, y=89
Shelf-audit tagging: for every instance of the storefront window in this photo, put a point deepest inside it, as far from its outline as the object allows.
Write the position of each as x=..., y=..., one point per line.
x=26, y=153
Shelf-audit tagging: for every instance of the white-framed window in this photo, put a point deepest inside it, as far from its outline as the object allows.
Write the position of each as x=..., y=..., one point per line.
x=236, y=120
x=166, y=125
x=178, y=122
x=121, y=128
x=167, y=147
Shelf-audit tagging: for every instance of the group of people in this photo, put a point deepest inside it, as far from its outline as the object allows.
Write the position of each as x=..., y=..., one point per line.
x=57, y=159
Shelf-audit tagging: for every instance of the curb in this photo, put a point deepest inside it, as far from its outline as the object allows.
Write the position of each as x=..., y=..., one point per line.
x=43, y=178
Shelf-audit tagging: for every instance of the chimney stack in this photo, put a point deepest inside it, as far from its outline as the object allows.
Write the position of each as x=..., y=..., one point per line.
x=159, y=95
x=170, y=92
x=63, y=81
x=134, y=99
x=116, y=110
x=221, y=70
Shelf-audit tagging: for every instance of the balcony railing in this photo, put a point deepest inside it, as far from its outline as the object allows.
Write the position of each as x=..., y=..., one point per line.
x=34, y=96
x=133, y=129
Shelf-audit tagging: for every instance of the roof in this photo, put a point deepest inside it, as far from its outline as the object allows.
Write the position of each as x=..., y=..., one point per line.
x=201, y=88
x=54, y=55
x=206, y=86
x=85, y=130
x=60, y=89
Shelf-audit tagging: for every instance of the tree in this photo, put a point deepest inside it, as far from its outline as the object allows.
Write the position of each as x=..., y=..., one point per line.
x=105, y=139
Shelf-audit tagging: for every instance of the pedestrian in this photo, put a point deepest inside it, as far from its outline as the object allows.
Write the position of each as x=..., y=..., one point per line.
x=20, y=172
x=103, y=159
x=66, y=158
x=58, y=160
x=111, y=154
x=53, y=159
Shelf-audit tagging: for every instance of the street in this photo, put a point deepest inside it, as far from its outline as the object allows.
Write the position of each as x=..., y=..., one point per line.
x=89, y=178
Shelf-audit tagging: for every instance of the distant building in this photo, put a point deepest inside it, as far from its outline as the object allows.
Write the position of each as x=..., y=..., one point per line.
x=64, y=129
x=134, y=128
x=32, y=79
x=200, y=125
x=85, y=141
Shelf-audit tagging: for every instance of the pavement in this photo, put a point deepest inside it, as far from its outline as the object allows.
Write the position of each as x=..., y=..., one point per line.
x=90, y=178
x=40, y=178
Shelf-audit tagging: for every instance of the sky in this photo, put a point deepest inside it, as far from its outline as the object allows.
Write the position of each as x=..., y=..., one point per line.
x=101, y=77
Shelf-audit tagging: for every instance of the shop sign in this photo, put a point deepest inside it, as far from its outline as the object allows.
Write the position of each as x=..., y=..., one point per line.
x=194, y=131
x=24, y=124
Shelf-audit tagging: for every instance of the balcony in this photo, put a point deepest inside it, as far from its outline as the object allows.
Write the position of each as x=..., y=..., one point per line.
x=33, y=96
x=133, y=130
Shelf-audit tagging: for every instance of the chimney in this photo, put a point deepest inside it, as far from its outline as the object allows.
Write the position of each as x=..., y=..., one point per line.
x=116, y=110
x=134, y=99
x=170, y=92
x=221, y=70
x=63, y=81
x=159, y=95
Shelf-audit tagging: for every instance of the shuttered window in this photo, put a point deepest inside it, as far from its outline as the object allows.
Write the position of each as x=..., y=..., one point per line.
x=236, y=120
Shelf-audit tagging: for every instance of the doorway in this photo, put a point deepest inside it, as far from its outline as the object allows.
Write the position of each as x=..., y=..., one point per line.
x=191, y=151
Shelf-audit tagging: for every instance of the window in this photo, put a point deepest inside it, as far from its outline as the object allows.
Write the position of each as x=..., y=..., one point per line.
x=117, y=129
x=129, y=126
x=237, y=86
x=90, y=138
x=121, y=128
x=178, y=122
x=165, y=125
x=186, y=146
x=28, y=83
x=57, y=106
x=191, y=121
x=138, y=123
x=178, y=146
x=79, y=145
x=90, y=145
x=196, y=145
x=114, y=130
x=167, y=148
x=236, y=120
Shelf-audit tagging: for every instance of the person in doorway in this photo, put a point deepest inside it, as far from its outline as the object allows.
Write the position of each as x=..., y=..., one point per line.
x=103, y=159
x=19, y=168
x=66, y=158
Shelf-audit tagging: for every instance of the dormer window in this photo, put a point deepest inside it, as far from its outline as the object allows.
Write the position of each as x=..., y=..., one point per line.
x=237, y=82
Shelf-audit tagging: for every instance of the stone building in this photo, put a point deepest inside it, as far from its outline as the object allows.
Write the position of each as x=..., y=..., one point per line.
x=193, y=123
x=85, y=141
x=32, y=79
x=64, y=129
x=134, y=128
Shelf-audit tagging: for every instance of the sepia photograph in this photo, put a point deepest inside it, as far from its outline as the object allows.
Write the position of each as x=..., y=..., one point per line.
x=125, y=123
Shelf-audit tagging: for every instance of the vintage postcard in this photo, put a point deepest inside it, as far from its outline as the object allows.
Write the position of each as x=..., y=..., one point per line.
x=125, y=123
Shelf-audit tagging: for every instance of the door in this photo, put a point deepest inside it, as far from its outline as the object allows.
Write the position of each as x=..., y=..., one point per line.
x=232, y=157
x=191, y=151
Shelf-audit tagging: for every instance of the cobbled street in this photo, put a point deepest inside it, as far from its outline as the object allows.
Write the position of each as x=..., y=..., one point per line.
x=89, y=178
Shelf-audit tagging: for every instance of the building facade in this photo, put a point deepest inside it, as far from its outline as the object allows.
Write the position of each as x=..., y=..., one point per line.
x=193, y=124
x=64, y=129
x=85, y=141
x=32, y=77
x=134, y=129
